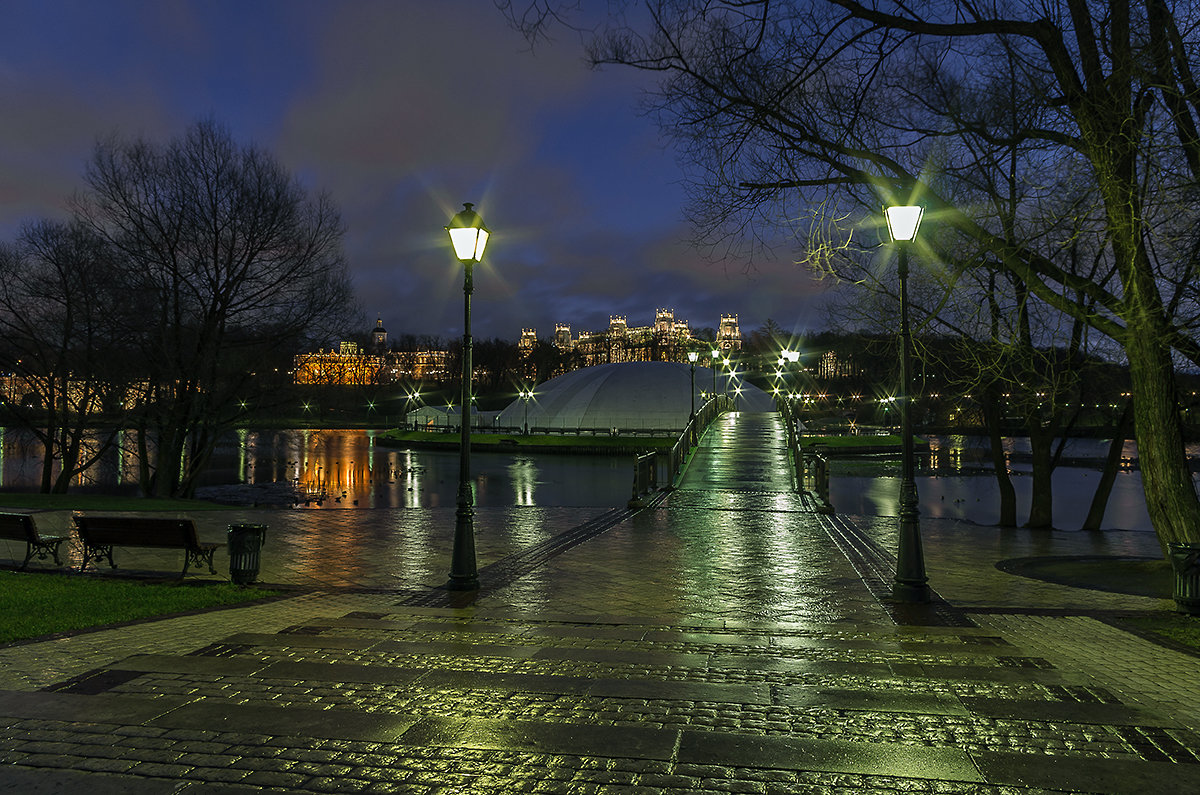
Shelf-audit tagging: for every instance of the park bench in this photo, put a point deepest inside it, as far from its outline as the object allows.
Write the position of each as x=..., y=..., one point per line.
x=99, y=534
x=20, y=527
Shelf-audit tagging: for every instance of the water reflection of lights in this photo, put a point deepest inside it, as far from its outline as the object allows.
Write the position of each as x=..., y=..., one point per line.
x=523, y=472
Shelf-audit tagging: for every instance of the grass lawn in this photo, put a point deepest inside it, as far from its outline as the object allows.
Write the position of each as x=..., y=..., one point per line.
x=36, y=604
x=850, y=442
x=533, y=441
x=102, y=502
x=1184, y=630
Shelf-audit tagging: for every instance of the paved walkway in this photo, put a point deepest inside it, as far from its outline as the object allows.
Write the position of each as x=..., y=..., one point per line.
x=722, y=640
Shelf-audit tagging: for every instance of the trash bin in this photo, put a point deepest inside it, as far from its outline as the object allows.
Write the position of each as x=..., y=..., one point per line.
x=245, y=548
x=1185, y=560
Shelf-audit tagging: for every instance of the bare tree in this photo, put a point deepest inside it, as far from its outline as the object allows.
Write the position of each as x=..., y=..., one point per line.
x=227, y=261
x=59, y=307
x=823, y=103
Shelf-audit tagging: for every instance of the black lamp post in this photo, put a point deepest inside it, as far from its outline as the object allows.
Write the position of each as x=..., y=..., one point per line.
x=714, y=354
x=790, y=357
x=526, y=394
x=911, y=583
x=692, y=357
x=469, y=237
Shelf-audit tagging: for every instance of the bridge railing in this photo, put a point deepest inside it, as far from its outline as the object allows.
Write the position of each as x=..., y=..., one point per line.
x=646, y=467
x=811, y=465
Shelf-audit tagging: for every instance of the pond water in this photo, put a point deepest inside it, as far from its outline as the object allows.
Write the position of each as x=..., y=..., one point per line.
x=954, y=480
x=353, y=471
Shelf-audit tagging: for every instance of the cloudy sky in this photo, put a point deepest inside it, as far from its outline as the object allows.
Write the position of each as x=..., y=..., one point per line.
x=401, y=110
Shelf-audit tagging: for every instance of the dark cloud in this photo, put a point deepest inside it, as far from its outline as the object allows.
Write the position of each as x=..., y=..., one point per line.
x=401, y=110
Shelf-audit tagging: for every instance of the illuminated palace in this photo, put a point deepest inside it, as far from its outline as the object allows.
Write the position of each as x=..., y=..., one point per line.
x=352, y=365
x=668, y=340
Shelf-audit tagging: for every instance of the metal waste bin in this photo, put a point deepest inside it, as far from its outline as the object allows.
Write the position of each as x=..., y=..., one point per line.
x=1185, y=560
x=245, y=550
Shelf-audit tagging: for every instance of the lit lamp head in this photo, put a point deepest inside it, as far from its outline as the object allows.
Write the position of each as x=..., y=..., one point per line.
x=468, y=234
x=903, y=221
x=693, y=356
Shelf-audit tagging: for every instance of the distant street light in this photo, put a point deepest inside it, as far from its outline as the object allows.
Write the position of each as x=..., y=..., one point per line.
x=911, y=583
x=526, y=394
x=692, y=357
x=786, y=357
x=714, y=354
x=469, y=237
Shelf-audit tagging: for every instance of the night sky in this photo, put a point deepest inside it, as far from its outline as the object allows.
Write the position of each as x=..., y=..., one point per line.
x=401, y=110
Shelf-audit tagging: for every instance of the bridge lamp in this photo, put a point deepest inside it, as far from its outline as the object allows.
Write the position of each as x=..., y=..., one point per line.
x=692, y=357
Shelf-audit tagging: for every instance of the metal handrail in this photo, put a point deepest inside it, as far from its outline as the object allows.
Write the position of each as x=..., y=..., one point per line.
x=677, y=457
x=811, y=465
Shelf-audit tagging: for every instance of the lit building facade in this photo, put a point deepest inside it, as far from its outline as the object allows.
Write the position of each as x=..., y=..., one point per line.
x=349, y=365
x=346, y=366
x=667, y=340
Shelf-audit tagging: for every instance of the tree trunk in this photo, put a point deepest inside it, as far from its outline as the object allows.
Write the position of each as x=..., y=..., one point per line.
x=1170, y=496
x=1041, y=506
x=1008, y=494
x=1109, y=475
x=47, y=464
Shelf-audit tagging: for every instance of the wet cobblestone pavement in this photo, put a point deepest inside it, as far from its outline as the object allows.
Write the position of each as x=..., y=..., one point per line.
x=724, y=639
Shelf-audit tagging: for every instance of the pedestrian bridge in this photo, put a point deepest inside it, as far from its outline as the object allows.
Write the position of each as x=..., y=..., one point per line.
x=741, y=461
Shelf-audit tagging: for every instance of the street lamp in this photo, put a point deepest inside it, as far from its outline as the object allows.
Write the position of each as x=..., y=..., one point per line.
x=911, y=583
x=526, y=394
x=469, y=237
x=692, y=357
x=714, y=354
x=790, y=357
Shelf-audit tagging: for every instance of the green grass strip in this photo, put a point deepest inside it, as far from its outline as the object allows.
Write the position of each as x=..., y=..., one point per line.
x=36, y=604
x=1184, y=630
x=102, y=502
x=533, y=441
x=843, y=442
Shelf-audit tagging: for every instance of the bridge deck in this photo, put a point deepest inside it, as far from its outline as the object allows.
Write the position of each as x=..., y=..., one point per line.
x=743, y=454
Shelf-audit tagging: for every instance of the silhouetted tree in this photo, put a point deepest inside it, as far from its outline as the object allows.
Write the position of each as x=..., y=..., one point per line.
x=225, y=258
x=60, y=303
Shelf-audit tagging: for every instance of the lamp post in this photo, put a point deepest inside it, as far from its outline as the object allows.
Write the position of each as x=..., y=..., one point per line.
x=469, y=236
x=714, y=354
x=911, y=583
x=790, y=357
x=526, y=394
x=692, y=357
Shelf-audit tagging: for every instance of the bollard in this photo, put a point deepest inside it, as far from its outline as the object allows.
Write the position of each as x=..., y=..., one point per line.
x=245, y=543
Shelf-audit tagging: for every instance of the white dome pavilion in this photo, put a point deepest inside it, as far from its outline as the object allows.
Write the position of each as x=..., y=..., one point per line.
x=626, y=396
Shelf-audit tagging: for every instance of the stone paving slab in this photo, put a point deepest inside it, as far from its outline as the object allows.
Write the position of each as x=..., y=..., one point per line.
x=212, y=715
x=626, y=742
x=834, y=756
x=876, y=700
x=68, y=706
x=1119, y=777
x=1071, y=712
